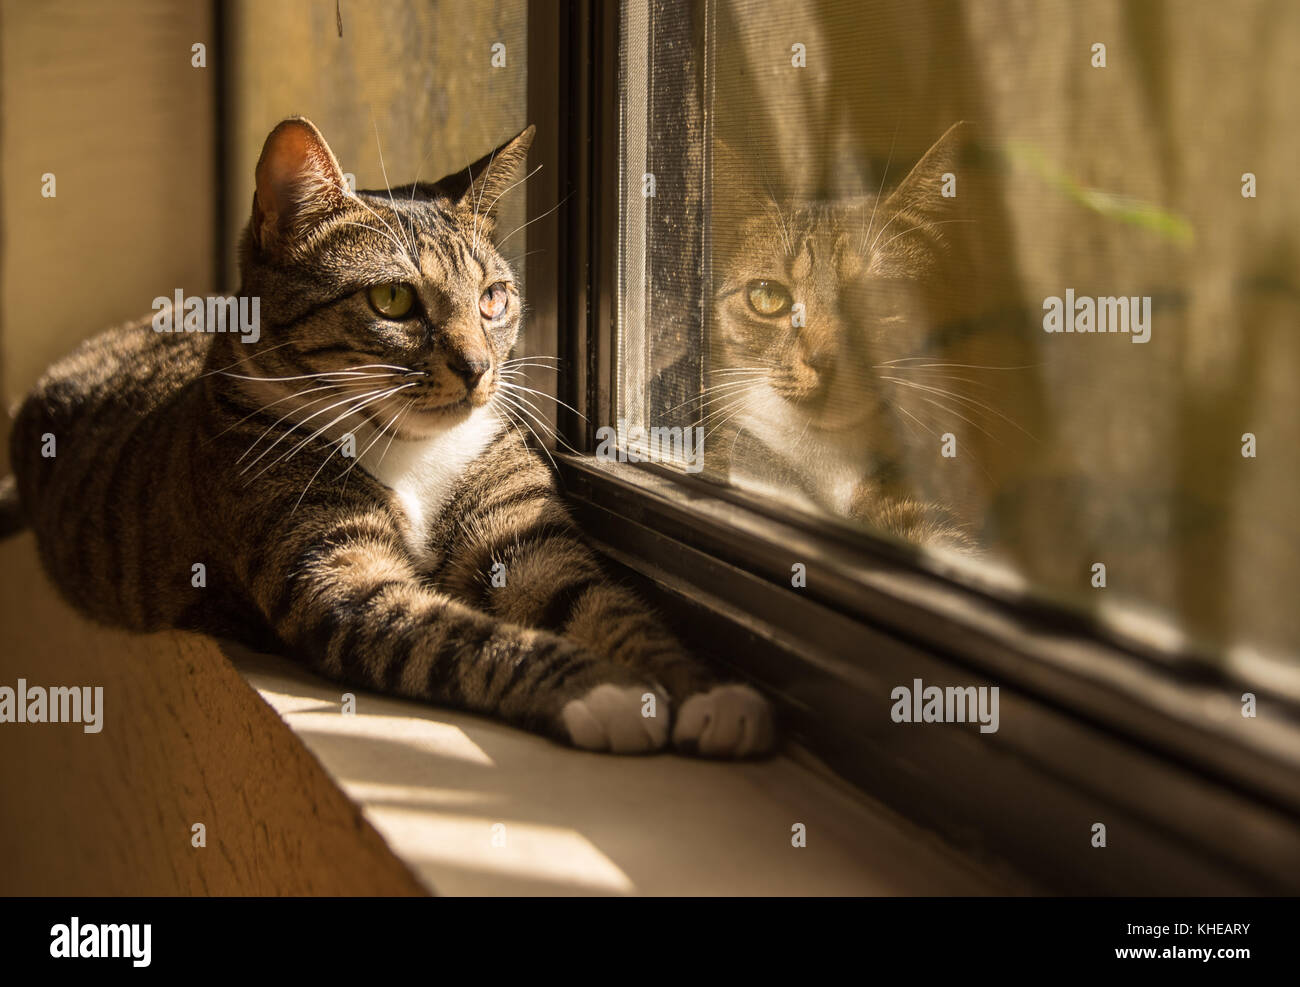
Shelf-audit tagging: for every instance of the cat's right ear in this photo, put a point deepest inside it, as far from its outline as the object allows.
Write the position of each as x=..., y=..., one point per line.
x=298, y=182
x=921, y=192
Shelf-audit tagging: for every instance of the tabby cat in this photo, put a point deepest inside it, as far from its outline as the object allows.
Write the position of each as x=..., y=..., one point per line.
x=438, y=562
x=817, y=373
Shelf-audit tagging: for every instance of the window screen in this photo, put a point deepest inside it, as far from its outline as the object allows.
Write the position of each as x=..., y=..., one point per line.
x=1013, y=284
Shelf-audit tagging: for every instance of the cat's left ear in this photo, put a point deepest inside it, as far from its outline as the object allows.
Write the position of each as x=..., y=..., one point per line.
x=922, y=192
x=479, y=187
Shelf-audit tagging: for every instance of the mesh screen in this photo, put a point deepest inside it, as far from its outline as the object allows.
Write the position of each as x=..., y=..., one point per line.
x=1015, y=284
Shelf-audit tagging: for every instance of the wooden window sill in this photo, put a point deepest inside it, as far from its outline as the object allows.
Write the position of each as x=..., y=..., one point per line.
x=396, y=798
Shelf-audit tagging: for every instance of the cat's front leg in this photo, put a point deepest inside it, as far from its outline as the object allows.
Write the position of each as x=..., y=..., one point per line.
x=712, y=718
x=345, y=595
x=908, y=518
x=520, y=556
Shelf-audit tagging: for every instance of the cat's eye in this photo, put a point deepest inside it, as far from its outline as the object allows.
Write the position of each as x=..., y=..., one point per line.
x=392, y=301
x=492, y=303
x=769, y=298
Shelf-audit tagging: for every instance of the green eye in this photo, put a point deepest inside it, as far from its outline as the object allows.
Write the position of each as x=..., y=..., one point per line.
x=768, y=298
x=392, y=301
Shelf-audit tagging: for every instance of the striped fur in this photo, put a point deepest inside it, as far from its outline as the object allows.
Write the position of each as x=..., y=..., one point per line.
x=180, y=449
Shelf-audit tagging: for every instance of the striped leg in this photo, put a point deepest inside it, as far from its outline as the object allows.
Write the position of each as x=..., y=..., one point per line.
x=520, y=556
x=346, y=596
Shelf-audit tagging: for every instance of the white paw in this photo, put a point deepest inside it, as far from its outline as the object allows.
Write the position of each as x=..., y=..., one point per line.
x=611, y=718
x=727, y=721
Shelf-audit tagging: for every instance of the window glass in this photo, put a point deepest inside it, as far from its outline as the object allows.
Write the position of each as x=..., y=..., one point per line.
x=1015, y=284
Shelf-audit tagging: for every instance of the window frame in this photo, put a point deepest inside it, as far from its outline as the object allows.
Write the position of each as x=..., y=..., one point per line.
x=1094, y=729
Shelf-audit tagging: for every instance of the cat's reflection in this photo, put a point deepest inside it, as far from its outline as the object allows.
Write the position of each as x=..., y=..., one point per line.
x=820, y=378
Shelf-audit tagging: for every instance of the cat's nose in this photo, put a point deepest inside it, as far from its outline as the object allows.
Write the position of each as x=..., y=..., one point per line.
x=469, y=367
x=820, y=359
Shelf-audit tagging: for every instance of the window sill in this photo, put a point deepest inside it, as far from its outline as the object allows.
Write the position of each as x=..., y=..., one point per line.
x=475, y=807
x=1197, y=799
x=184, y=741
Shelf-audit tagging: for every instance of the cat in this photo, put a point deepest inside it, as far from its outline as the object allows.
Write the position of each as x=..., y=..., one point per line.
x=818, y=343
x=438, y=560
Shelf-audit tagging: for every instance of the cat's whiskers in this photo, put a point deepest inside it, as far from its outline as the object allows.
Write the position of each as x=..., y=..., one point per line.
x=356, y=409
x=330, y=373
x=944, y=425
x=415, y=185
x=531, y=361
x=729, y=403
x=520, y=371
x=535, y=414
x=957, y=414
x=943, y=392
x=772, y=203
x=298, y=424
x=876, y=203
x=715, y=391
x=295, y=411
x=492, y=204
x=735, y=370
x=286, y=417
x=510, y=421
x=533, y=356
x=929, y=376
x=960, y=366
x=514, y=401
x=913, y=229
x=388, y=236
x=501, y=243
x=396, y=428
x=379, y=434
x=514, y=259
x=478, y=194
x=245, y=359
x=917, y=420
x=392, y=204
x=512, y=412
x=741, y=406
x=520, y=402
x=514, y=388
x=332, y=451
x=287, y=397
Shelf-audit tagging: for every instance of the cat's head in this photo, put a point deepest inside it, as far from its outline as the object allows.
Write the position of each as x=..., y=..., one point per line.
x=813, y=299
x=406, y=285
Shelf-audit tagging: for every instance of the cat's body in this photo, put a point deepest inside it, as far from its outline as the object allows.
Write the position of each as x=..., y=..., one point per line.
x=440, y=562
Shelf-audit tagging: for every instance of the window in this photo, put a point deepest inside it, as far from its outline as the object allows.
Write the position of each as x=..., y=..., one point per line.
x=833, y=305
x=844, y=236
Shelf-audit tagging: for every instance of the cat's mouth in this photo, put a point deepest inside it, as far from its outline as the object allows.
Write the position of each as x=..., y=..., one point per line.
x=825, y=406
x=444, y=411
x=440, y=400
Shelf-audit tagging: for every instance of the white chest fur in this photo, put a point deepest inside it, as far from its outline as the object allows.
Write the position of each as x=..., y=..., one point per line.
x=423, y=472
x=833, y=464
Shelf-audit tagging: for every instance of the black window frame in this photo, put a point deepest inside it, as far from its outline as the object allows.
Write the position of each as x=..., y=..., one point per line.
x=1195, y=799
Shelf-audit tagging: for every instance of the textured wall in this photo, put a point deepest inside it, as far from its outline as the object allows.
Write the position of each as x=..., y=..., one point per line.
x=103, y=96
x=413, y=77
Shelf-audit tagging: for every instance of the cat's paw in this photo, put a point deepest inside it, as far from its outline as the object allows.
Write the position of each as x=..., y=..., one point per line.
x=726, y=721
x=612, y=718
